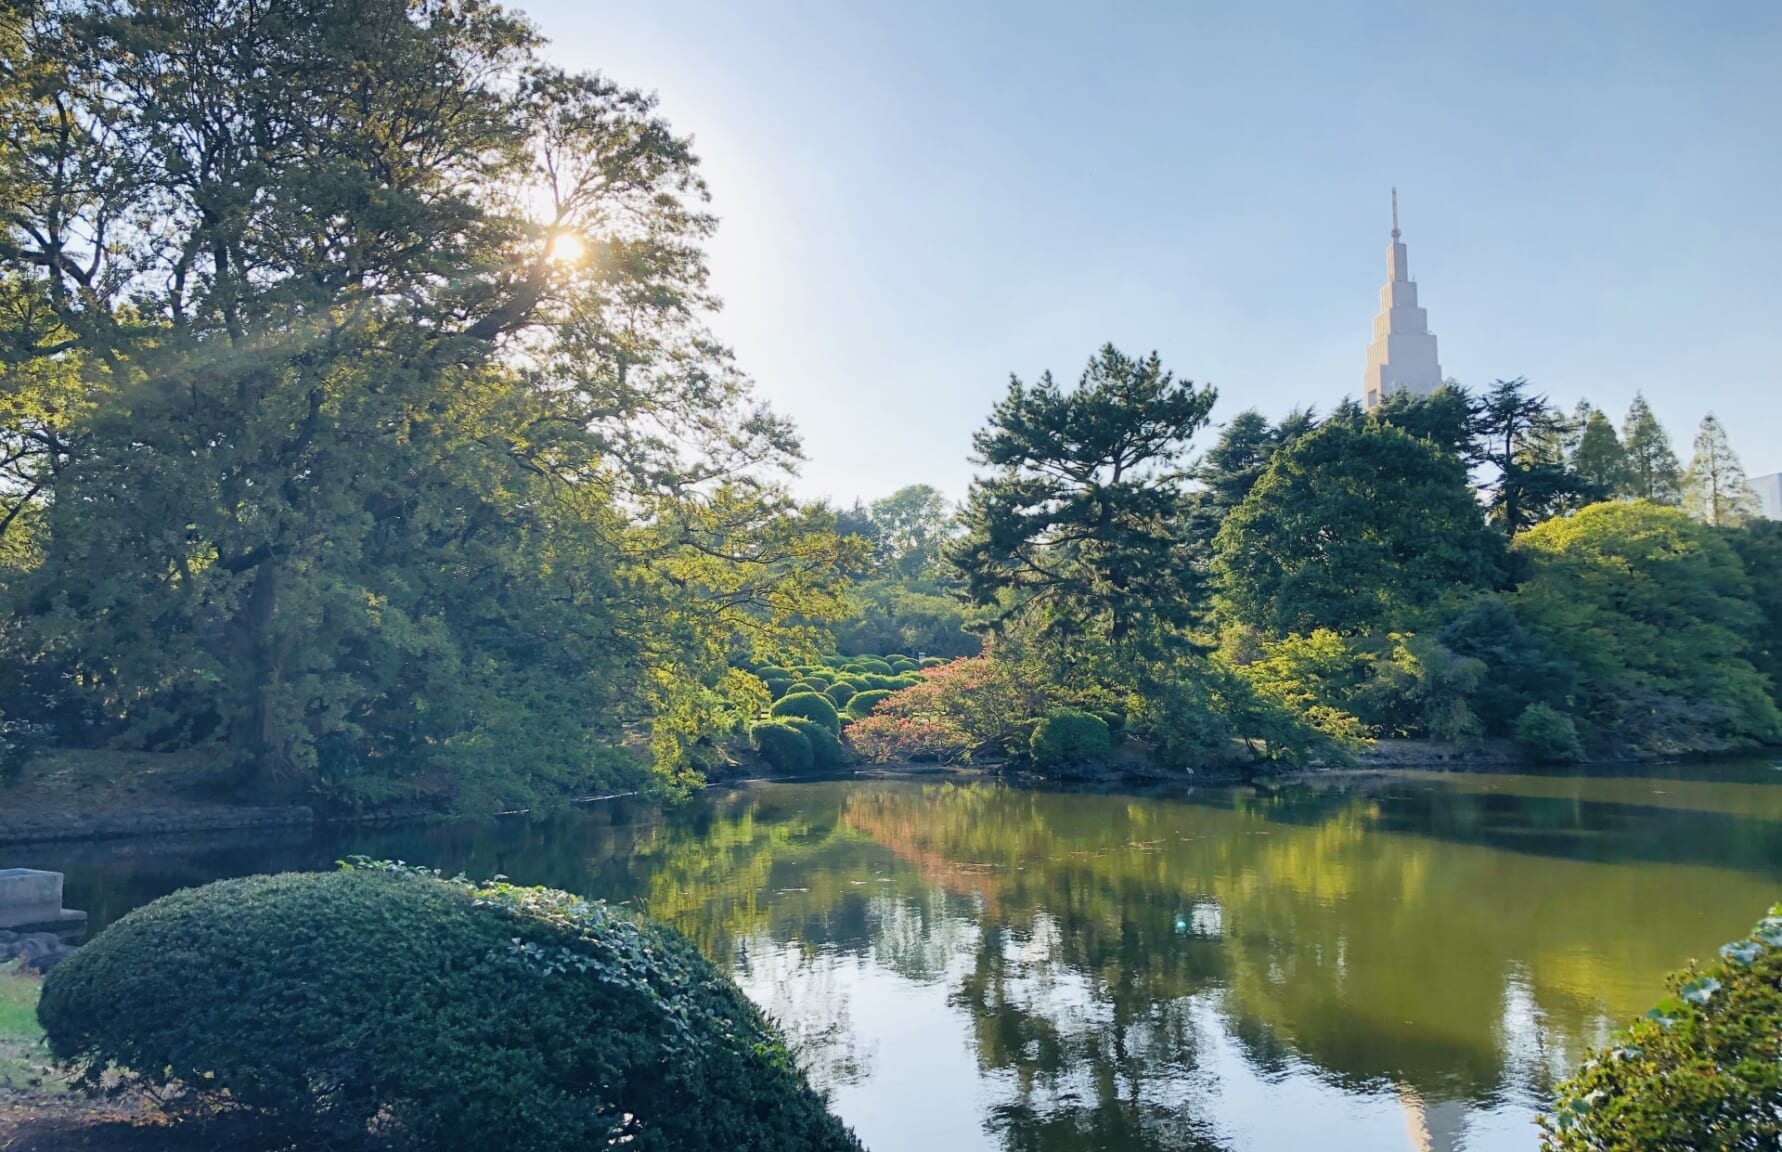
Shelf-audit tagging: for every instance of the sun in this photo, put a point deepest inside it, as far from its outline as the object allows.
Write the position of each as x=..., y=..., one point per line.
x=568, y=248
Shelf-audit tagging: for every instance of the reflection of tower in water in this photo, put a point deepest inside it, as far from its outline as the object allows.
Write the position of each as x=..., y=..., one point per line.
x=1433, y=1127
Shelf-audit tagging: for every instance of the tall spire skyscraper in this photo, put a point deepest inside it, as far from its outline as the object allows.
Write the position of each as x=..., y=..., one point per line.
x=1402, y=354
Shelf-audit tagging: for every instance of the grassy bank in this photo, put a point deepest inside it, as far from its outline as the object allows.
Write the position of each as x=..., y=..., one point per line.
x=22, y=1054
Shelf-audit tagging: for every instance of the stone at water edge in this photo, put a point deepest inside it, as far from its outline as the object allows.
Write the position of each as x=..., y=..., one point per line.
x=30, y=899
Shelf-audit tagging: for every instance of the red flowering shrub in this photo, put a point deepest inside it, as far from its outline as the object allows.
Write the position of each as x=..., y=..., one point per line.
x=968, y=707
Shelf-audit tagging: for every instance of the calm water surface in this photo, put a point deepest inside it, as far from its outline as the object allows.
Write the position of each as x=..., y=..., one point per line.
x=1357, y=964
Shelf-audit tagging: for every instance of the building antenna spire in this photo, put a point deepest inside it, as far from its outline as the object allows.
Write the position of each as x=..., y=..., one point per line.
x=1395, y=213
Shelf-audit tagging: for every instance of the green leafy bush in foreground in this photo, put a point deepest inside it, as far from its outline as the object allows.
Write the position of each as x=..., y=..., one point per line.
x=826, y=747
x=1702, y=1071
x=386, y=1006
x=861, y=703
x=1068, y=737
x=809, y=705
x=784, y=747
x=1548, y=735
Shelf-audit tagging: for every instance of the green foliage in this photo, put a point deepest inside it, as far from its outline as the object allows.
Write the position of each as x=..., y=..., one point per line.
x=1652, y=472
x=931, y=662
x=1702, y=1070
x=303, y=500
x=840, y=692
x=1354, y=527
x=450, y=1016
x=861, y=704
x=798, y=687
x=1521, y=439
x=810, y=705
x=826, y=748
x=870, y=664
x=785, y=747
x=1446, y=418
x=777, y=687
x=1081, y=516
x=1759, y=547
x=1520, y=668
x=775, y=672
x=1067, y=738
x=919, y=615
x=1599, y=459
x=1548, y=735
x=1654, y=610
x=1715, y=489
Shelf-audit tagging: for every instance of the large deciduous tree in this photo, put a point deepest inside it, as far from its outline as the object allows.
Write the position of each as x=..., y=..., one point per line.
x=1352, y=528
x=1655, y=610
x=1080, y=518
x=359, y=409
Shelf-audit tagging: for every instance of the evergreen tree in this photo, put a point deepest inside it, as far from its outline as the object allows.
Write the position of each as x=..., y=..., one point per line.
x=1714, y=488
x=1081, y=518
x=1521, y=437
x=1445, y=417
x=1598, y=457
x=1652, y=469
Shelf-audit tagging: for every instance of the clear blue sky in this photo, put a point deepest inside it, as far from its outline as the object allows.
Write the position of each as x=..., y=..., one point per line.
x=919, y=198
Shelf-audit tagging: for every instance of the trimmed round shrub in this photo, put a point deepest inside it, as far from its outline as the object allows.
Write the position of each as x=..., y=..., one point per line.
x=811, y=706
x=774, y=672
x=931, y=662
x=437, y=1015
x=821, y=679
x=1701, y=1070
x=839, y=692
x=1068, y=737
x=870, y=664
x=777, y=686
x=1548, y=735
x=899, y=667
x=806, y=686
x=860, y=705
x=784, y=747
x=826, y=747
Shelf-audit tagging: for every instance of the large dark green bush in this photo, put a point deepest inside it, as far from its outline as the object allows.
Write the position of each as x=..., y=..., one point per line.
x=799, y=686
x=784, y=747
x=861, y=703
x=774, y=672
x=826, y=746
x=1703, y=1070
x=840, y=692
x=385, y=1007
x=811, y=706
x=1068, y=737
x=1548, y=735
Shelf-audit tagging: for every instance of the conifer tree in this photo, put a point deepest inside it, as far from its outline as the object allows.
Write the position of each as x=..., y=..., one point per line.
x=1715, y=489
x=1598, y=458
x=1652, y=469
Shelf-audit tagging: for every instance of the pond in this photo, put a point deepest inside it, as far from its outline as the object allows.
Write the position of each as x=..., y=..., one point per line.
x=1405, y=961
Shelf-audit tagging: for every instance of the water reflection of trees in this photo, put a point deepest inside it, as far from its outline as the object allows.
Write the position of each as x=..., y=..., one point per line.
x=1436, y=962
x=1447, y=943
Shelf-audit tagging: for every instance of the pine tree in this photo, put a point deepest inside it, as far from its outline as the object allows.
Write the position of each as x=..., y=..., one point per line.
x=1521, y=437
x=1715, y=489
x=1598, y=458
x=1652, y=469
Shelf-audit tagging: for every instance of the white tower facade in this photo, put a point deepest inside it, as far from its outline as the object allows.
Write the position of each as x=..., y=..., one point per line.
x=1402, y=355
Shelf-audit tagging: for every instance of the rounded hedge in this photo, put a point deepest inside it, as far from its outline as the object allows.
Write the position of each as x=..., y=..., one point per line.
x=1548, y=735
x=839, y=692
x=826, y=747
x=931, y=662
x=881, y=667
x=811, y=706
x=861, y=703
x=437, y=1015
x=784, y=747
x=1068, y=737
x=805, y=686
x=774, y=672
x=1701, y=1070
